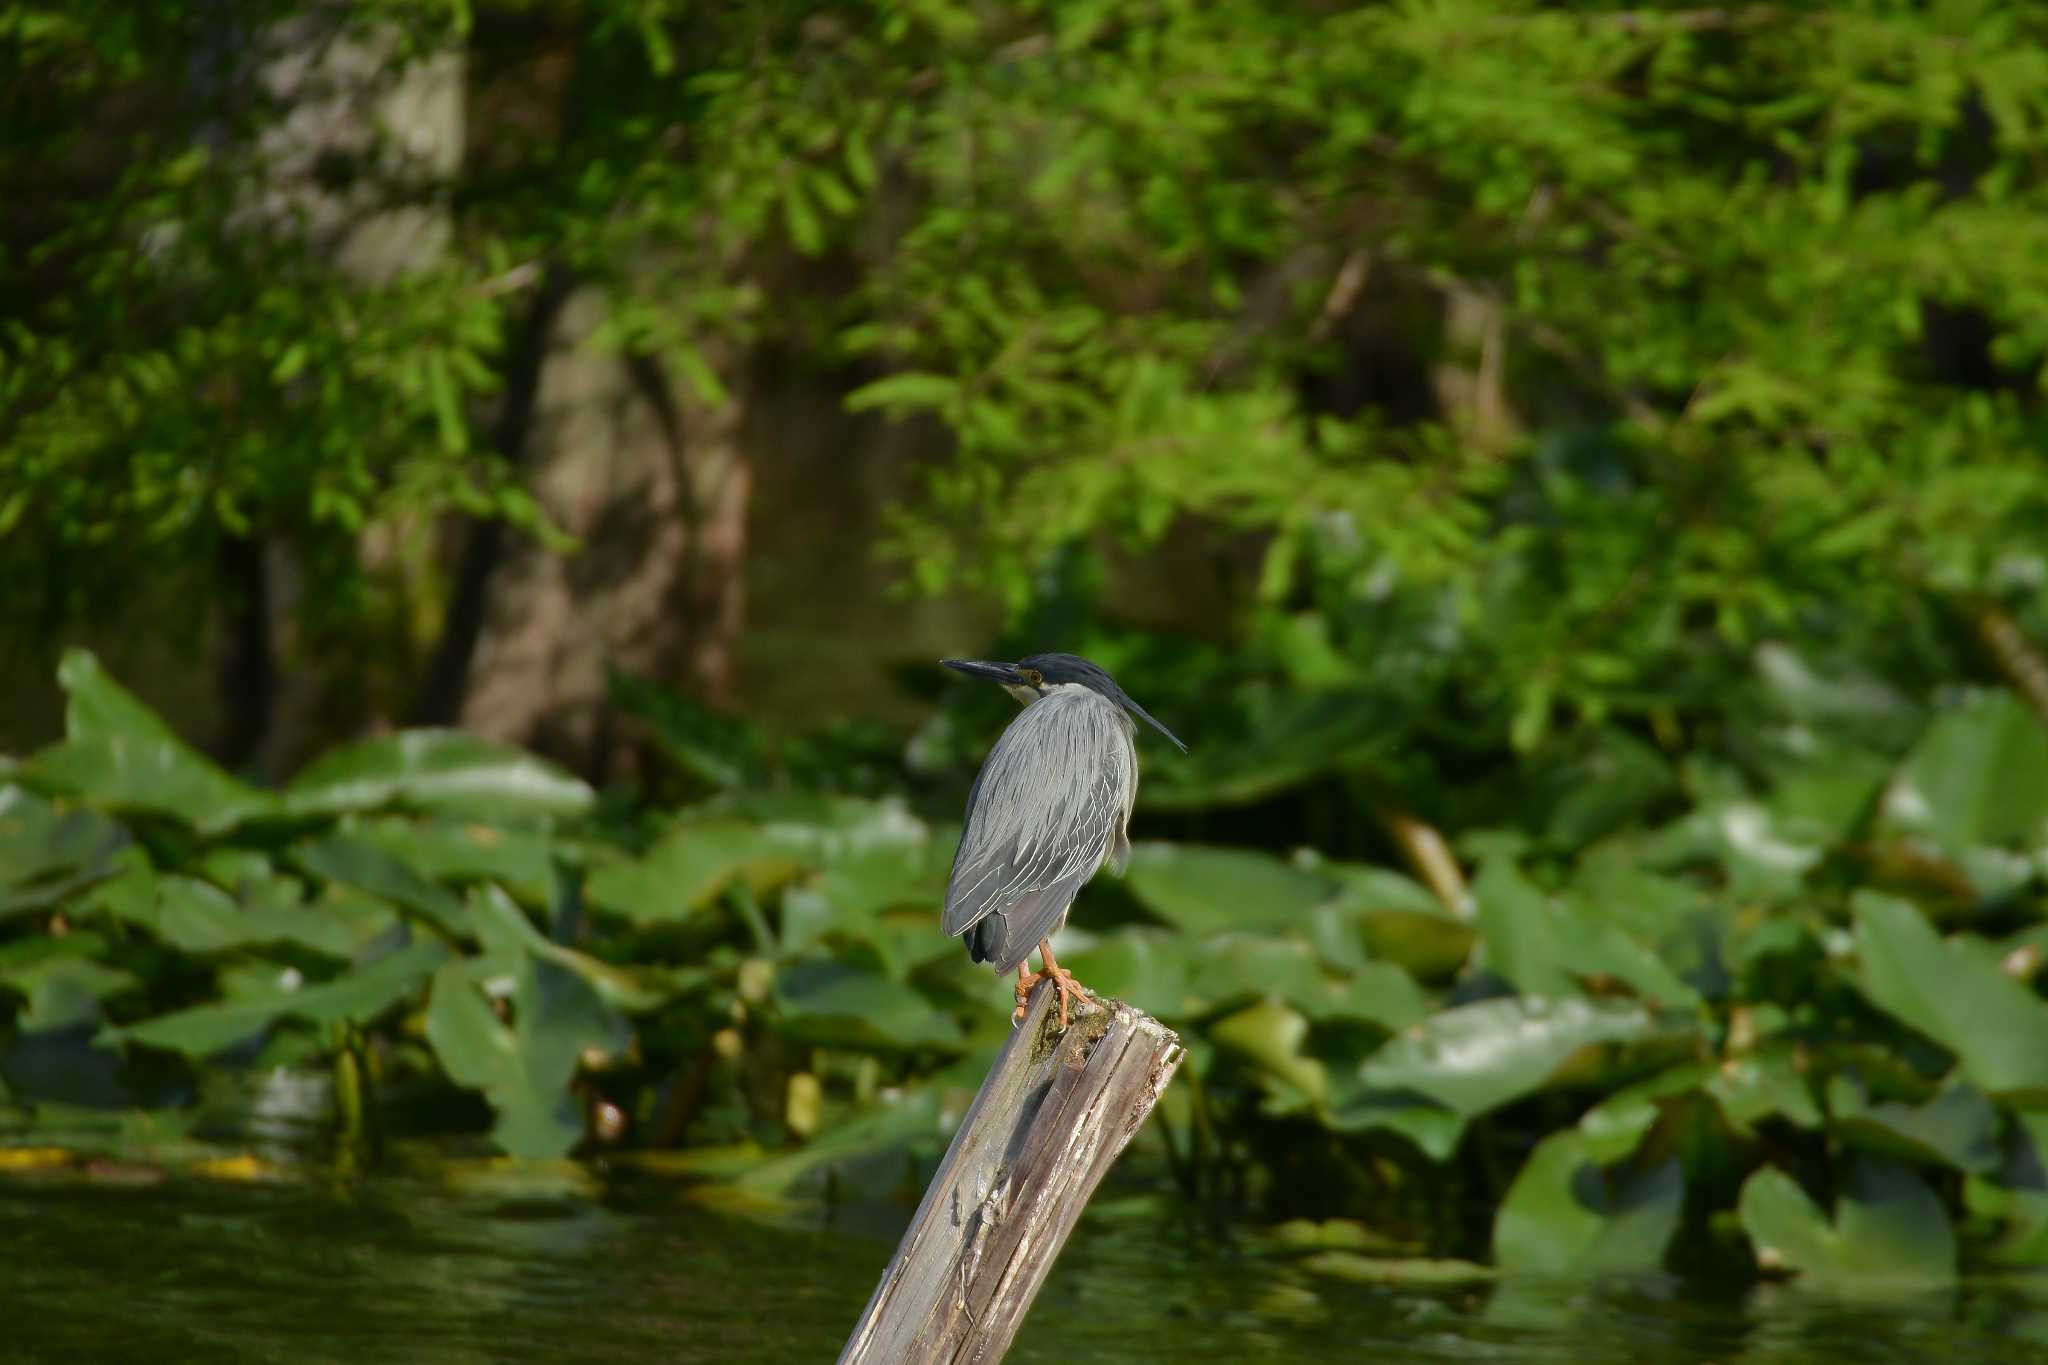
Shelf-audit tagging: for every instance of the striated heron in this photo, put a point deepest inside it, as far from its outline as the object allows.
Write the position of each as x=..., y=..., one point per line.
x=1051, y=804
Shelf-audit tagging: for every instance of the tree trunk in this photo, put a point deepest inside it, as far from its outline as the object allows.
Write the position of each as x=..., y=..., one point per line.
x=655, y=486
x=352, y=101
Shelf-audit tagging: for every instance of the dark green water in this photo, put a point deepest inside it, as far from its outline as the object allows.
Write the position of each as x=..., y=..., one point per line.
x=410, y=1270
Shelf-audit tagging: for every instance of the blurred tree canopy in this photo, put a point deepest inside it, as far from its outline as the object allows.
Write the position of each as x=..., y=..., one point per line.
x=1546, y=356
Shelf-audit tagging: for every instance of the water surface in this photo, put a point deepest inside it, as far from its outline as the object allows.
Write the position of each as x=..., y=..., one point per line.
x=412, y=1269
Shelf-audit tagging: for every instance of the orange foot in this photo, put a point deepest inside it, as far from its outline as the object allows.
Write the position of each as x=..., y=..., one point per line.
x=1062, y=980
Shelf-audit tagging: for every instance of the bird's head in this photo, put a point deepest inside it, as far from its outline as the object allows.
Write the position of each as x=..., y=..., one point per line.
x=1040, y=675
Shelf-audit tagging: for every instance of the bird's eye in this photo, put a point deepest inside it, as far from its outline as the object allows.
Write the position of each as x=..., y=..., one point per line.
x=1033, y=676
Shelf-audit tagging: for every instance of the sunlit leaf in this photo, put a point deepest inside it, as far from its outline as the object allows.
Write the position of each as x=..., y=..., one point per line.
x=1203, y=890
x=94, y=704
x=152, y=774
x=1478, y=1057
x=436, y=770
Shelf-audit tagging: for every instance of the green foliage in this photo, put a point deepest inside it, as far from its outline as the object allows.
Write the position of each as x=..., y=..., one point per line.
x=1711, y=326
x=1740, y=285
x=1716, y=1013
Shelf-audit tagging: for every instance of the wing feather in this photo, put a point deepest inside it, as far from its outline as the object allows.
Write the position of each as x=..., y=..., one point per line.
x=1048, y=807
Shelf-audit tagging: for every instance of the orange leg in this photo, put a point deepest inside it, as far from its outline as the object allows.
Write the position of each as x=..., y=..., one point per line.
x=1062, y=979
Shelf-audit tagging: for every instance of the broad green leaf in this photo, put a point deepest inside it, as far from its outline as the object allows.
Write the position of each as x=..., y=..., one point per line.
x=502, y=923
x=61, y=983
x=880, y=1140
x=1567, y=1215
x=687, y=869
x=190, y=914
x=1992, y=1023
x=97, y=705
x=1271, y=1034
x=360, y=995
x=1613, y=1128
x=198, y=917
x=1180, y=976
x=358, y=863
x=47, y=853
x=1957, y=1128
x=1888, y=1227
x=1151, y=968
x=444, y=850
x=341, y=922
x=1978, y=776
x=1430, y=945
x=1435, y=1129
x=476, y=1049
x=836, y=1004
x=1478, y=1057
x=1381, y=914
x=1764, y=1083
x=1545, y=946
x=870, y=880
x=523, y=1071
x=2016, y=1195
x=449, y=771
x=903, y=392
x=160, y=776
x=1524, y=944
x=1376, y=888
x=1202, y=890
x=1238, y=966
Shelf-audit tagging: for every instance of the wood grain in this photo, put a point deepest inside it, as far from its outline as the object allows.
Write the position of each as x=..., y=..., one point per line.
x=1056, y=1109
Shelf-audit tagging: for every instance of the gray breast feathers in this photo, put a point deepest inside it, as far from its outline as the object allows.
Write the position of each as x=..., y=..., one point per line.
x=1050, y=805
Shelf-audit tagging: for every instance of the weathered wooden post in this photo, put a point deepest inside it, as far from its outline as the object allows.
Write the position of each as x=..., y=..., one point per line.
x=1055, y=1111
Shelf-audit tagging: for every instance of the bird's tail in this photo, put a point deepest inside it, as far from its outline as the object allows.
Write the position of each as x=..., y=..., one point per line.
x=985, y=939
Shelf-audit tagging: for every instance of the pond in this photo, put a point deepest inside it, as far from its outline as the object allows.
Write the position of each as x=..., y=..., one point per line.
x=488, y=1265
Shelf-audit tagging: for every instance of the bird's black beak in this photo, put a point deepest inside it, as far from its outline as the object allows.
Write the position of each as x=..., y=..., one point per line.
x=1006, y=674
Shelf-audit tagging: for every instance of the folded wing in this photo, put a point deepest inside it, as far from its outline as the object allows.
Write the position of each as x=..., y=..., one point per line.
x=1048, y=806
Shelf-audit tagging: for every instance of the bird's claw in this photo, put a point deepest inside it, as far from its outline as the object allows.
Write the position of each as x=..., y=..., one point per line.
x=1063, y=981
